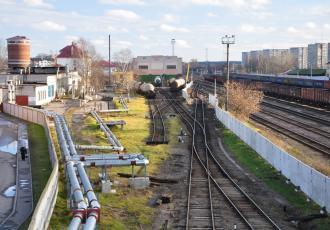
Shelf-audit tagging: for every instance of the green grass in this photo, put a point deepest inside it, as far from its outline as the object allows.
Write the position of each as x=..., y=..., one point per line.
x=268, y=174
x=61, y=215
x=127, y=208
x=40, y=162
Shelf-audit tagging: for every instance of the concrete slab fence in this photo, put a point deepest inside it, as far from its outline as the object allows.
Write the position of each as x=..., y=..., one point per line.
x=313, y=183
x=44, y=209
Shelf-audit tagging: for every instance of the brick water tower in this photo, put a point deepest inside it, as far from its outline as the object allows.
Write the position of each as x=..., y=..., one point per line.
x=18, y=52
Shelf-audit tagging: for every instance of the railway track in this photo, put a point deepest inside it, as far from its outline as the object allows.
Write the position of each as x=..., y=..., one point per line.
x=298, y=112
x=313, y=137
x=158, y=135
x=215, y=200
x=299, y=137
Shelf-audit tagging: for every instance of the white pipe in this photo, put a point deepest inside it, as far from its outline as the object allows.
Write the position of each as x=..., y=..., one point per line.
x=68, y=136
x=111, y=137
x=61, y=139
x=75, y=223
x=92, y=200
x=91, y=221
x=75, y=186
x=96, y=147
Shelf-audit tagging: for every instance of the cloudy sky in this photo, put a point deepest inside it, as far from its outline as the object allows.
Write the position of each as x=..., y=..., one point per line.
x=147, y=26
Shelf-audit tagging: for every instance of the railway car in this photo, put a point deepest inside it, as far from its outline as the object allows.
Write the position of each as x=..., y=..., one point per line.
x=158, y=81
x=145, y=89
x=177, y=84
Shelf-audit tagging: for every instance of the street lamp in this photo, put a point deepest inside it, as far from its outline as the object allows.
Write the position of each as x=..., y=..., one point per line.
x=227, y=40
x=173, y=43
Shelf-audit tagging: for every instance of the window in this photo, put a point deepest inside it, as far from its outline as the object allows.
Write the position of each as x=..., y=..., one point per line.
x=143, y=67
x=171, y=67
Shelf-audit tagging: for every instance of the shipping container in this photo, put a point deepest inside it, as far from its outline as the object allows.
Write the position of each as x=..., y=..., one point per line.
x=327, y=84
x=322, y=96
x=318, y=84
x=22, y=100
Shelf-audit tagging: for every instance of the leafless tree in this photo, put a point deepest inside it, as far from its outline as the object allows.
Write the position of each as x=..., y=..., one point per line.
x=3, y=55
x=89, y=65
x=243, y=100
x=123, y=58
x=271, y=65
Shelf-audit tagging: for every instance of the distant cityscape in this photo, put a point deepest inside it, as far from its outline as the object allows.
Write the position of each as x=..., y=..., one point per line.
x=315, y=56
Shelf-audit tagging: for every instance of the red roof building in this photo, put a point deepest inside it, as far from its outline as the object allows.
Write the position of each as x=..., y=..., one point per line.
x=70, y=51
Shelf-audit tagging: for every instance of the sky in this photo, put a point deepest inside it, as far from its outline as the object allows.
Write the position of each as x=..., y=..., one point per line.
x=147, y=26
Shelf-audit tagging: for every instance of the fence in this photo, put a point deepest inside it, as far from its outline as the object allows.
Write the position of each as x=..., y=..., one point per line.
x=44, y=209
x=313, y=183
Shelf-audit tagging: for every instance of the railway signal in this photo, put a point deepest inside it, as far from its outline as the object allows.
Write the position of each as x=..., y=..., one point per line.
x=227, y=40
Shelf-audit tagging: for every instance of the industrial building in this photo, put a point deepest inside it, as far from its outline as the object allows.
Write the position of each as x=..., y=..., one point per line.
x=35, y=85
x=18, y=52
x=157, y=65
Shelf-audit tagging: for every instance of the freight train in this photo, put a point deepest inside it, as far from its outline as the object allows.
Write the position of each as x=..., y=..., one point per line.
x=316, y=92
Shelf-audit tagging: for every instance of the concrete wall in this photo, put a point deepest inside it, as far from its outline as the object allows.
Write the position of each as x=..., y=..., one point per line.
x=44, y=209
x=313, y=183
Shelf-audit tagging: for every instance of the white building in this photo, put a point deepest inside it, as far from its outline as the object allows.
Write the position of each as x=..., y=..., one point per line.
x=318, y=55
x=299, y=55
x=157, y=65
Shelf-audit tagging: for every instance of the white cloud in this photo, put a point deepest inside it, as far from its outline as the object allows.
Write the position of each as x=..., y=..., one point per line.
x=124, y=44
x=311, y=25
x=319, y=10
x=292, y=29
x=170, y=18
x=169, y=28
x=248, y=28
x=234, y=4
x=123, y=14
x=143, y=38
x=71, y=38
x=182, y=43
x=99, y=42
x=37, y=3
x=48, y=26
x=127, y=2
x=326, y=26
x=212, y=15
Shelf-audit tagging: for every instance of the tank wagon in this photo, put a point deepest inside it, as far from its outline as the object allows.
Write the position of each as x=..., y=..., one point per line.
x=177, y=84
x=158, y=81
x=145, y=89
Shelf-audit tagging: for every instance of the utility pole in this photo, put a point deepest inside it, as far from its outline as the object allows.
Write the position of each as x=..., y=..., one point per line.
x=173, y=43
x=207, y=59
x=109, y=61
x=227, y=40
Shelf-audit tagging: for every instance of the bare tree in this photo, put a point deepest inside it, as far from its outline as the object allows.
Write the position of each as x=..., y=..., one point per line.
x=122, y=58
x=3, y=55
x=88, y=66
x=243, y=100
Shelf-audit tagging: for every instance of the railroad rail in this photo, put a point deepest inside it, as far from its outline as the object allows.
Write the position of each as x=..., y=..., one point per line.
x=223, y=203
x=158, y=135
x=301, y=138
x=311, y=116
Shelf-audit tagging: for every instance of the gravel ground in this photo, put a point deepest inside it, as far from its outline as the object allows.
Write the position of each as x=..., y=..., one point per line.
x=177, y=167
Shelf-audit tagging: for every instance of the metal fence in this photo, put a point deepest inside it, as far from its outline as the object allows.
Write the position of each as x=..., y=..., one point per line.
x=44, y=209
x=313, y=183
